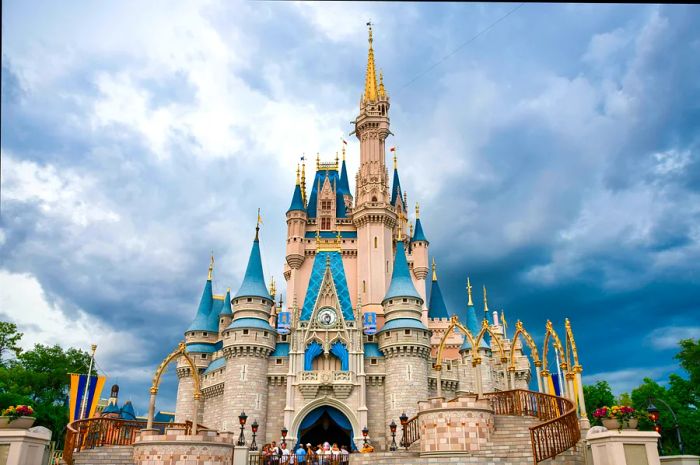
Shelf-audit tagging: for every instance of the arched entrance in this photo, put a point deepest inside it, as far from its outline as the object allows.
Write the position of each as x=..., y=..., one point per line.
x=326, y=424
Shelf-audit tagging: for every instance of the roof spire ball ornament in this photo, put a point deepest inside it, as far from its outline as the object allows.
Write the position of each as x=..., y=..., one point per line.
x=486, y=305
x=434, y=272
x=211, y=267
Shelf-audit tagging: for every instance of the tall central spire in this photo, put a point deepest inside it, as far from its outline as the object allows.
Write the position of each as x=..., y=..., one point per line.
x=371, y=76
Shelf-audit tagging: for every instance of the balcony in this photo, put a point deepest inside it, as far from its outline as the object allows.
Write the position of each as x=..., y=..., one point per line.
x=340, y=382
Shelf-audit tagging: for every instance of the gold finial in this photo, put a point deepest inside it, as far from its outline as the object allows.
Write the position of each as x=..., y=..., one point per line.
x=469, y=292
x=273, y=288
x=257, y=225
x=371, y=77
x=303, y=181
x=297, y=174
x=343, y=151
x=486, y=304
x=318, y=161
x=382, y=90
x=336, y=160
x=434, y=273
x=410, y=227
x=417, y=210
x=396, y=164
x=211, y=267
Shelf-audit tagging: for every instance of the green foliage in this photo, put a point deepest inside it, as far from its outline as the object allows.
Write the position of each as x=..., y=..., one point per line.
x=9, y=337
x=597, y=395
x=682, y=395
x=39, y=378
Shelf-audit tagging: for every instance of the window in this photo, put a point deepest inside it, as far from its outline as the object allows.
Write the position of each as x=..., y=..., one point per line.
x=249, y=299
x=405, y=300
x=372, y=361
x=278, y=361
x=204, y=333
x=245, y=331
x=284, y=338
x=407, y=332
x=387, y=266
x=364, y=287
x=325, y=223
x=387, y=334
x=204, y=355
x=222, y=321
x=264, y=333
x=375, y=242
x=326, y=205
x=370, y=338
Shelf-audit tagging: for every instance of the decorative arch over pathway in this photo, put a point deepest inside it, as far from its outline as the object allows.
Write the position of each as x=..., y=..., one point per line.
x=323, y=402
x=520, y=331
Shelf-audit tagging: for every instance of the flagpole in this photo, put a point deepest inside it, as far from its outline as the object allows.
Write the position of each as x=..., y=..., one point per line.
x=83, y=404
x=562, y=386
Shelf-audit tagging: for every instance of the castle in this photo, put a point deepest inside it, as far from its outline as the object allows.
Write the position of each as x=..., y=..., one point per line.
x=356, y=346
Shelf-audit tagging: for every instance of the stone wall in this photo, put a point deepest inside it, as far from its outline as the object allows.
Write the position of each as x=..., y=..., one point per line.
x=174, y=447
x=378, y=428
x=245, y=390
x=213, y=403
x=185, y=391
x=406, y=383
x=277, y=397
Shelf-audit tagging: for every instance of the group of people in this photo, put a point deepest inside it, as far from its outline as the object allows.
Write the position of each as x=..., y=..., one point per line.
x=322, y=454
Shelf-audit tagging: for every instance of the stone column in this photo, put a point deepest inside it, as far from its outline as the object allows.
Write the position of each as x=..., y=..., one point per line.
x=538, y=371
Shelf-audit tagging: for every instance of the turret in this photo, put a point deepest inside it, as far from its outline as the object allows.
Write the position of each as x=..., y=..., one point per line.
x=419, y=249
x=248, y=342
x=225, y=315
x=203, y=330
x=472, y=322
x=437, y=308
x=344, y=184
x=296, y=228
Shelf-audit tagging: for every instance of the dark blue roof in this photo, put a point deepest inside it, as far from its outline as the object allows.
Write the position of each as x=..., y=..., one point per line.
x=226, y=305
x=331, y=234
x=297, y=203
x=334, y=179
x=127, y=412
x=215, y=365
x=437, y=307
x=111, y=408
x=343, y=185
x=395, y=187
x=372, y=350
x=201, y=320
x=401, y=283
x=162, y=417
x=281, y=350
x=254, y=281
x=341, y=285
x=474, y=328
x=403, y=323
x=254, y=323
x=418, y=234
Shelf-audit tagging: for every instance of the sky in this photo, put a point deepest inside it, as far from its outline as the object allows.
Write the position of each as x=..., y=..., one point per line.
x=556, y=158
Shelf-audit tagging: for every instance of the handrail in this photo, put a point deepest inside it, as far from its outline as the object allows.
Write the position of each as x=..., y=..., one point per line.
x=560, y=429
x=97, y=432
x=411, y=432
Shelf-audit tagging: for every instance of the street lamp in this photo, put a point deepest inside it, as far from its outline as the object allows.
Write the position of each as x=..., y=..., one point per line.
x=241, y=419
x=404, y=419
x=654, y=415
x=392, y=427
x=365, y=431
x=254, y=428
x=284, y=435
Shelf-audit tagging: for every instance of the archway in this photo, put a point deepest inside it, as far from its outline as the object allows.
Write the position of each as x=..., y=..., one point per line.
x=326, y=424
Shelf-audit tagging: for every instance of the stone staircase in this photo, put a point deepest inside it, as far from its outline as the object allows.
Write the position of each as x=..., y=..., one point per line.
x=106, y=455
x=509, y=445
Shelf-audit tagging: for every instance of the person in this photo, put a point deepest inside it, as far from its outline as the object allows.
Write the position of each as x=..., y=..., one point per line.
x=335, y=454
x=274, y=453
x=284, y=454
x=310, y=455
x=265, y=454
x=344, y=455
x=366, y=448
x=300, y=455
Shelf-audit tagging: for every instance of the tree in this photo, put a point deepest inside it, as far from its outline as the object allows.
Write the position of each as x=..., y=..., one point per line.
x=39, y=378
x=597, y=395
x=9, y=337
x=689, y=358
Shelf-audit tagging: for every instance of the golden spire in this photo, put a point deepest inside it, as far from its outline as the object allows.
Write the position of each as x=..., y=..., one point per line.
x=371, y=77
x=396, y=163
x=382, y=90
x=469, y=292
x=273, y=288
x=257, y=225
x=434, y=273
x=343, y=152
x=297, y=174
x=486, y=305
x=303, y=182
x=417, y=210
x=336, y=159
x=410, y=228
x=318, y=161
x=211, y=267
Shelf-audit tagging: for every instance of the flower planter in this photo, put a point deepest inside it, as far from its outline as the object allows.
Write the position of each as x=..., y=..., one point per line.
x=614, y=423
x=19, y=423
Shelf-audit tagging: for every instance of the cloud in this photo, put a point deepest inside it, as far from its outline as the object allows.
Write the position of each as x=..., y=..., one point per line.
x=627, y=379
x=668, y=337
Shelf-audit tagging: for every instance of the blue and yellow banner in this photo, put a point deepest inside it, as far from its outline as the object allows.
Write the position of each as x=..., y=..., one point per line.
x=80, y=389
x=284, y=322
x=369, y=323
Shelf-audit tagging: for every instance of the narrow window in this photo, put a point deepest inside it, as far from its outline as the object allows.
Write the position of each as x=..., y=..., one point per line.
x=370, y=338
x=373, y=361
x=375, y=242
x=249, y=299
x=387, y=266
x=405, y=300
x=245, y=331
x=407, y=332
x=204, y=333
x=204, y=355
x=278, y=361
x=264, y=333
x=364, y=287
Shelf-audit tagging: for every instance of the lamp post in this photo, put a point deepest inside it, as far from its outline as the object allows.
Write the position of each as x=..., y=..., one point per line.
x=254, y=429
x=284, y=435
x=654, y=415
x=365, y=431
x=392, y=428
x=241, y=419
x=404, y=420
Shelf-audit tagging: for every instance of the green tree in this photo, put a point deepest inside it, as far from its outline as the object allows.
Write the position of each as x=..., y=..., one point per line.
x=597, y=395
x=9, y=338
x=39, y=378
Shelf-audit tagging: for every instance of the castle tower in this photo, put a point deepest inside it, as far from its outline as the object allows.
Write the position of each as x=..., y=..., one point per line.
x=247, y=343
x=419, y=253
x=405, y=342
x=225, y=315
x=200, y=338
x=474, y=383
x=373, y=215
x=296, y=229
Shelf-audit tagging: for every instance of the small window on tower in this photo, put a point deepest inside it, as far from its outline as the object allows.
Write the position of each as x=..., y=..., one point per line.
x=204, y=333
x=245, y=331
x=407, y=332
x=249, y=299
x=204, y=355
x=375, y=242
x=364, y=287
x=370, y=338
x=372, y=361
x=284, y=338
x=278, y=361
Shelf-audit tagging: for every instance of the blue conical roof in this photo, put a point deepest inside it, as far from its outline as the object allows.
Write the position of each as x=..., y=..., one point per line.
x=401, y=282
x=474, y=328
x=226, y=308
x=201, y=320
x=418, y=234
x=127, y=412
x=395, y=187
x=437, y=307
x=297, y=203
x=254, y=282
x=343, y=185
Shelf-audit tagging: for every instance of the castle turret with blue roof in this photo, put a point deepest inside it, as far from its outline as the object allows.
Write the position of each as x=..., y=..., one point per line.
x=437, y=308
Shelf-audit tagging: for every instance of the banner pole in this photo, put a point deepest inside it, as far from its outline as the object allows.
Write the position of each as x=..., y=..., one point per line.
x=86, y=393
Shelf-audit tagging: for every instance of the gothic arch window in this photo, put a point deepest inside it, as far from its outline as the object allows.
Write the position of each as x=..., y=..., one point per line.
x=374, y=198
x=375, y=242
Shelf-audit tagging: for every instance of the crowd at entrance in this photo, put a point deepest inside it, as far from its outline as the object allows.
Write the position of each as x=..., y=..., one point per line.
x=322, y=454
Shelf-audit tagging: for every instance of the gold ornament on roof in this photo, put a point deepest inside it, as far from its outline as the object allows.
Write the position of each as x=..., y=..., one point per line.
x=370, y=77
x=469, y=292
x=297, y=174
x=434, y=273
x=211, y=267
x=382, y=91
x=417, y=210
x=486, y=304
